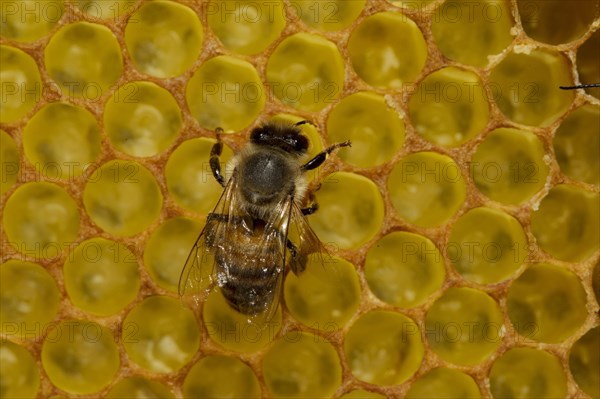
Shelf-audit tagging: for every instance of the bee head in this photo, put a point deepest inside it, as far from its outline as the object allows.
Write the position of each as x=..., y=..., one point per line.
x=288, y=138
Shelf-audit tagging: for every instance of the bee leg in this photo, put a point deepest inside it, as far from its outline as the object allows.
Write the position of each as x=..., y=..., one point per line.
x=297, y=264
x=313, y=206
x=322, y=156
x=311, y=209
x=215, y=153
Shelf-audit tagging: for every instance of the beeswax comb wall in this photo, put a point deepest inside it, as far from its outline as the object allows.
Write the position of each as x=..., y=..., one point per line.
x=463, y=223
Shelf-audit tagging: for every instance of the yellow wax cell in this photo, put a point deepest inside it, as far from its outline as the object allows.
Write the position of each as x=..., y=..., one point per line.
x=383, y=348
x=300, y=366
x=221, y=377
x=225, y=92
x=464, y=326
x=547, y=303
x=350, y=210
x=122, y=197
x=62, y=140
x=306, y=71
x=84, y=59
x=142, y=119
x=567, y=223
x=525, y=87
x=21, y=84
x=80, y=357
x=164, y=38
x=529, y=374
x=379, y=58
x=426, y=188
x=375, y=129
x=246, y=27
x=30, y=300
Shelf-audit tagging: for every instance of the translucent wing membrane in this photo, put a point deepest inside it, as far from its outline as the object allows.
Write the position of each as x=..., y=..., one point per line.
x=305, y=241
x=199, y=274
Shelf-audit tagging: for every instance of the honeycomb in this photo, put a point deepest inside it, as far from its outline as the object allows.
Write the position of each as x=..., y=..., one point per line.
x=463, y=224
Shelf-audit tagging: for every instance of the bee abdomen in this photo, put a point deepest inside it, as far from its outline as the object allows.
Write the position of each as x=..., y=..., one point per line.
x=250, y=274
x=250, y=290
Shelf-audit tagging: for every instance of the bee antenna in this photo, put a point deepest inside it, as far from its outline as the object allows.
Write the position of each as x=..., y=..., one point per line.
x=304, y=122
x=218, y=132
x=586, y=86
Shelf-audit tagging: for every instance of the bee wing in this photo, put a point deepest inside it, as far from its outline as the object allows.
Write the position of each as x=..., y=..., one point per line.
x=273, y=248
x=306, y=241
x=199, y=274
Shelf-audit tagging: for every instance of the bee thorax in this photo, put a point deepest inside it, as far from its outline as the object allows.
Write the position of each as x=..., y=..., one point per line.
x=265, y=176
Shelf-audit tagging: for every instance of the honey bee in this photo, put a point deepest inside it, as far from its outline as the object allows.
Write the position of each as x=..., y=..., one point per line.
x=244, y=246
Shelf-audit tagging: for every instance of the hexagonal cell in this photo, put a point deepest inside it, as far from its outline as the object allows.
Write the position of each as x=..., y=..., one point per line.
x=547, y=303
x=107, y=10
x=508, y=166
x=101, y=276
x=235, y=331
x=526, y=86
x=426, y=188
x=122, y=197
x=142, y=119
x=301, y=366
x=379, y=57
x=556, y=21
x=444, y=383
x=9, y=162
x=471, y=32
x=134, y=387
x=29, y=20
x=167, y=250
x=588, y=60
x=164, y=38
x=30, y=300
x=325, y=295
x=464, y=326
x=80, y=357
x=375, y=129
x=189, y=178
x=221, y=377
x=21, y=84
x=62, y=140
x=84, y=59
x=246, y=27
x=576, y=144
x=584, y=363
x=41, y=220
x=19, y=372
x=160, y=335
x=403, y=269
x=449, y=107
x=306, y=71
x=383, y=348
x=225, y=92
x=567, y=223
x=344, y=220
x=328, y=16
x=529, y=374
x=487, y=245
